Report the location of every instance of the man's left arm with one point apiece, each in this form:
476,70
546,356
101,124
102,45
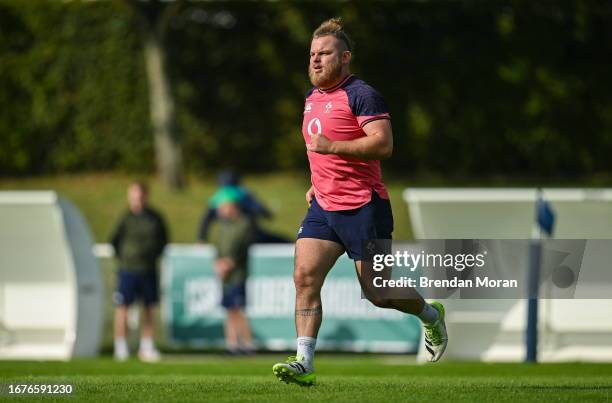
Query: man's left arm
162,235
376,145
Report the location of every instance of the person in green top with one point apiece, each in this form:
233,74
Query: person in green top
235,233
139,240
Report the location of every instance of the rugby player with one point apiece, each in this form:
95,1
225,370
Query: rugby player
347,130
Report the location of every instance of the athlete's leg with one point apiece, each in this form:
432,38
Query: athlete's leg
148,322
123,298
231,330
412,303
120,341
149,289
431,314
121,321
314,258
147,350
244,332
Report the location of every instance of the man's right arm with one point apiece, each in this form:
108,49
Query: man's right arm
205,222
117,236
372,115
253,207
377,144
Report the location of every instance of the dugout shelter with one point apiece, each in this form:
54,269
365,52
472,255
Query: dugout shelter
51,291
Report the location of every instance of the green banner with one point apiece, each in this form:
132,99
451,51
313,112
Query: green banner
191,296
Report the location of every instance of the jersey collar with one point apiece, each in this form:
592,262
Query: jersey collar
335,87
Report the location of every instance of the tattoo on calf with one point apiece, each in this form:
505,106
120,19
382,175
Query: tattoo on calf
316,311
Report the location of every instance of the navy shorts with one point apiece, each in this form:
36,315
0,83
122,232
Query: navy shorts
234,296
350,228
137,285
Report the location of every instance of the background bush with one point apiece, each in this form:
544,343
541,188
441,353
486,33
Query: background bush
510,88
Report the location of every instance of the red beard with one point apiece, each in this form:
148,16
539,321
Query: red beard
327,77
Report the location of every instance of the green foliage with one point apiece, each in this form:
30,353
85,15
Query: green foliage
73,88
508,87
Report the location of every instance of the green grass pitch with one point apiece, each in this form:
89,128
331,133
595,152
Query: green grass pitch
352,378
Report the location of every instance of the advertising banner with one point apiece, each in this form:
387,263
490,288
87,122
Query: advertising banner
191,296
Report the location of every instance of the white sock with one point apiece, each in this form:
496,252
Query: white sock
146,344
121,346
249,347
306,349
429,314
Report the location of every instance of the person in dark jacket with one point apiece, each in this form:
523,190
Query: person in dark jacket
139,240
249,206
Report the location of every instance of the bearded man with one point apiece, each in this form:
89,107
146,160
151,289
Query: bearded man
347,130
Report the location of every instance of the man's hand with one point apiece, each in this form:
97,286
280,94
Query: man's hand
377,144
309,196
320,144
224,266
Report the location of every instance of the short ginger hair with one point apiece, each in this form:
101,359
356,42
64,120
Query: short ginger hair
334,27
140,184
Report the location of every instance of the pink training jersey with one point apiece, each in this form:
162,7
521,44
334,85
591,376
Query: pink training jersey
339,113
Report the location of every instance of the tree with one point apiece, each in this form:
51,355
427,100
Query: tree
153,19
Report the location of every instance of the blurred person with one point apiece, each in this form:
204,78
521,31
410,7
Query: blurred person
139,240
347,130
234,236
249,205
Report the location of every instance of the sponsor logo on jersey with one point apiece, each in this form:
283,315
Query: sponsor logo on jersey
317,126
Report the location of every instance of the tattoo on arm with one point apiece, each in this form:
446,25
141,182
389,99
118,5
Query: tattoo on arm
316,311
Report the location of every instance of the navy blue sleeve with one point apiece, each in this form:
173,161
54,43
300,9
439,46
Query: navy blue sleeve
310,91
205,222
252,207
366,103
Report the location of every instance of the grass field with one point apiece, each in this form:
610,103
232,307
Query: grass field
342,378
101,198
350,378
